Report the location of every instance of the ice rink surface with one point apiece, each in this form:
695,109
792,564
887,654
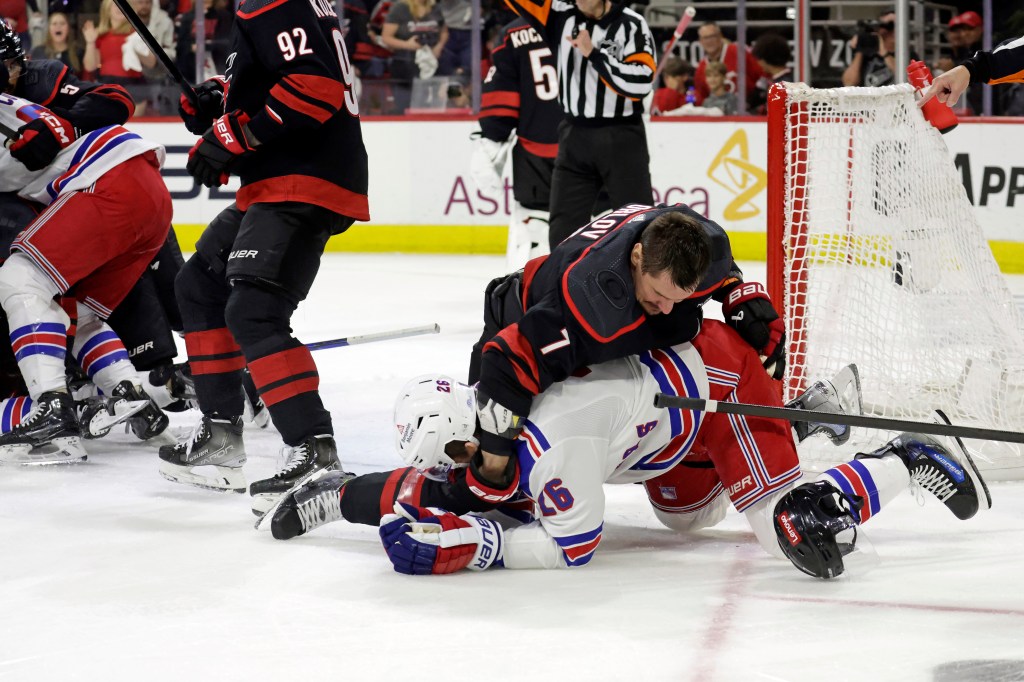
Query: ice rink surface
108,572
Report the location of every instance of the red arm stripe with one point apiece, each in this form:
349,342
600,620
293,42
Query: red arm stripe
520,355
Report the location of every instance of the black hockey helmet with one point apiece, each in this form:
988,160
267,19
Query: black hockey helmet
10,48
816,527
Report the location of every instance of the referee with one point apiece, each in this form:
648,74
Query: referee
605,68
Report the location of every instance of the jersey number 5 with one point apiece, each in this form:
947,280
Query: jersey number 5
545,78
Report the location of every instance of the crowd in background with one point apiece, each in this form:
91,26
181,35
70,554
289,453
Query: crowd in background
416,55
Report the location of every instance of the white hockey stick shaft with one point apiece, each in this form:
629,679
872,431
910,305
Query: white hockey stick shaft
374,337
684,22
796,415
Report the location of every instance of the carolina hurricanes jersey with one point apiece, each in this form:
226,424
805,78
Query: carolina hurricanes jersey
521,92
289,70
87,105
75,167
580,308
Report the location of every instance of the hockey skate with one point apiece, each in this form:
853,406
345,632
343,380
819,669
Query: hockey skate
210,457
97,415
171,387
254,409
316,453
941,466
308,506
148,422
839,396
49,434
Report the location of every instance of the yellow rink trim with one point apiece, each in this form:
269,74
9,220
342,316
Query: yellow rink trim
490,239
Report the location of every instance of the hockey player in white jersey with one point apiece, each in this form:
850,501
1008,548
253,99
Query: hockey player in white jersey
601,427
108,212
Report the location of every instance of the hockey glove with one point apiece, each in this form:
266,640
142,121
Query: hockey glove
421,541
40,140
749,311
488,163
210,95
209,161
499,426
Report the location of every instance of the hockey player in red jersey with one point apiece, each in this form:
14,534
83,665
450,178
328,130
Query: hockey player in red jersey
520,97
284,119
631,281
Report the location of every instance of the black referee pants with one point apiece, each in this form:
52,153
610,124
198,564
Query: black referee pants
613,157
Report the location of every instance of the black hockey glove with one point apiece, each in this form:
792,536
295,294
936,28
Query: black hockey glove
210,160
210,94
40,140
749,311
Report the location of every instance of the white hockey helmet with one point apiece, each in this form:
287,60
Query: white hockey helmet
431,411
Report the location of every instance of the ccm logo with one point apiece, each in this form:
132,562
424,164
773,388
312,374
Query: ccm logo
745,291
787,528
57,127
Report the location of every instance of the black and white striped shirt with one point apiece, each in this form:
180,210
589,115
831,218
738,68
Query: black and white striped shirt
611,83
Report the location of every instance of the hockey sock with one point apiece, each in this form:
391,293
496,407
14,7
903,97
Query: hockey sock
100,352
38,324
13,411
877,480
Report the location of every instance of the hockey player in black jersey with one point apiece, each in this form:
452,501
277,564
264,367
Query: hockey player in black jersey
520,95
631,281
284,119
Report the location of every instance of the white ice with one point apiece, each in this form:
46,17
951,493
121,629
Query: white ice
108,572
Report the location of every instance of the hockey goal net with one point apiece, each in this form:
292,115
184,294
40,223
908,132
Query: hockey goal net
875,257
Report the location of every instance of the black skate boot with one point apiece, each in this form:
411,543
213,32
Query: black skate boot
839,396
49,434
316,453
210,457
98,414
147,422
942,467
309,506
171,387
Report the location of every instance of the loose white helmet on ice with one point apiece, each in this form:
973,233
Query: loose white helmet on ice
431,411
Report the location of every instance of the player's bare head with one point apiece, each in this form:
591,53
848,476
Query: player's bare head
12,57
772,49
677,244
435,422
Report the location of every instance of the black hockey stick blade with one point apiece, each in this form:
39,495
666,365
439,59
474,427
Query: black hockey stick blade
172,69
376,336
795,415
8,133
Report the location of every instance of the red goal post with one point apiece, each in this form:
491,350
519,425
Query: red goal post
875,257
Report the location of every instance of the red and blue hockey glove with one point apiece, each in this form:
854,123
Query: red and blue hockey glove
749,311
41,139
210,160
209,104
421,541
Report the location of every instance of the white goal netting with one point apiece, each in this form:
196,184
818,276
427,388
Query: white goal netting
885,265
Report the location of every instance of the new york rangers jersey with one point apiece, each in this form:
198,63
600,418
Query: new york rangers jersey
76,167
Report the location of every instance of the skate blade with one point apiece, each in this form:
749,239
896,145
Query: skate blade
281,499
102,422
227,479
984,501
67,450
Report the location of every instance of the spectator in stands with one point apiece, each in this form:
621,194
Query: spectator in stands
61,43
874,56
717,49
719,96
218,16
965,34
161,26
677,76
457,56
107,58
773,56
415,32
16,14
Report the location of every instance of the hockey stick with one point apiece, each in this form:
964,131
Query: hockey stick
376,336
684,23
795,415
11,135
172,69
